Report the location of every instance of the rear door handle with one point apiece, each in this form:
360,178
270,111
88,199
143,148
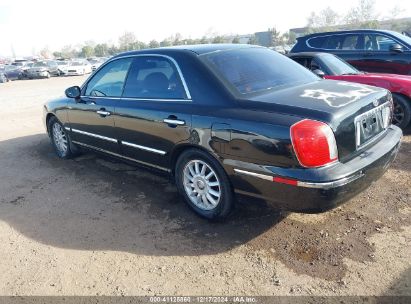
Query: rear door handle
103,112
174,122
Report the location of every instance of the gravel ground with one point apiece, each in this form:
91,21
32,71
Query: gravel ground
95,226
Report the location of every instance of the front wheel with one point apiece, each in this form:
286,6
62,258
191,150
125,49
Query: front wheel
402,111
204,184
60,139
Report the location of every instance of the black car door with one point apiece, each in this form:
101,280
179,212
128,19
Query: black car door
154,112
91,117
380,58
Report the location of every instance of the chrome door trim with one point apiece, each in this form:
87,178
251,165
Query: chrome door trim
94,135
121,156
143,148
104,113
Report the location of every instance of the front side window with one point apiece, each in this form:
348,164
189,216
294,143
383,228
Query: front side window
375,42
153,77
109,81
255,70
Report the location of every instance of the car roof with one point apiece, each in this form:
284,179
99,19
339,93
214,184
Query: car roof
349,32
198,49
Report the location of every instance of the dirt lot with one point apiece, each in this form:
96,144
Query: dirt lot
94,226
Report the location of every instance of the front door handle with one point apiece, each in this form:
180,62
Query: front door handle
174,122
103,112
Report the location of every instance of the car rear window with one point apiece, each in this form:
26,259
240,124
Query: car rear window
253,70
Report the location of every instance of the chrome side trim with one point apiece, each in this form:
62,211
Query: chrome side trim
183,81
262,176
324,185
143,148
94,135
121,156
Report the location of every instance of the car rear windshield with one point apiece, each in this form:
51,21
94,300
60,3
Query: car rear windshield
255,70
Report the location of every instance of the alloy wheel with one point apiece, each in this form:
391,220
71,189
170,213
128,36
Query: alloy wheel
202,185
60,138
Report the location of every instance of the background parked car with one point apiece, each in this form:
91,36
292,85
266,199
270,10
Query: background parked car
77,67
95,63
62,64
43,69
331,67
368,50
2,78
12,72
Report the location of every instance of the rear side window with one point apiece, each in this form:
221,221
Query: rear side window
153,77
109,81
351,42
333,42
316,42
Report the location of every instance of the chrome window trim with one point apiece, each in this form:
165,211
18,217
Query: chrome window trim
143,148
95,135
315,185
180,73
134,98
121,156
351,33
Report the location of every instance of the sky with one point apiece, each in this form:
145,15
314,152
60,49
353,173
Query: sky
29,26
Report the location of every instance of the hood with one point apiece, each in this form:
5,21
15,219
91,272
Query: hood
33,69
391,77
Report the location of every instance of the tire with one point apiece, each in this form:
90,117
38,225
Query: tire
402,111
60,139
48,75
199,189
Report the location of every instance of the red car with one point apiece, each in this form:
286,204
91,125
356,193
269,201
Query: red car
332,67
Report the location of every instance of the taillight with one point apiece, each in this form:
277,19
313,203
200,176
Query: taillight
314,143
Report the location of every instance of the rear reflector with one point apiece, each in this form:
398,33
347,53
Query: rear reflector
287,181
314,143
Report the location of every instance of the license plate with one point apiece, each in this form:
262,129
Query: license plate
372,123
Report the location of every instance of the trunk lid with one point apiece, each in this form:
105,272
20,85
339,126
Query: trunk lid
340,104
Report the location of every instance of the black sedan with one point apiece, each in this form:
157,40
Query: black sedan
231,119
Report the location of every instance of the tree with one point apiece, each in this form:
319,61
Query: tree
101,50
45,53
324,21
204,40
153,44
165,42
87,51
57,54
68,52
275,37
177,39
127,41
236,40
218,39
363,15
252,40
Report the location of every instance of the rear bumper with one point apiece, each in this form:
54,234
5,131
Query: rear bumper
319,189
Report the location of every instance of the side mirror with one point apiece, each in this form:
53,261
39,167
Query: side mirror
396,48
73,92
319,73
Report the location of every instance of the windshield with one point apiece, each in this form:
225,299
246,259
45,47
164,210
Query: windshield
39,64
252,70
93,61
338,66
61,62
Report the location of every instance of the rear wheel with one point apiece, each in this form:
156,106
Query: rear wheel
204,184
47,75
402,111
